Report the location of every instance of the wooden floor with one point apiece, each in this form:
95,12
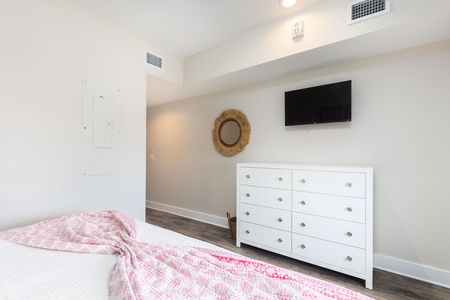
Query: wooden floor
386,285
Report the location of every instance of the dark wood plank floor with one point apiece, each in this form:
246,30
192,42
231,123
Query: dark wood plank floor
386,285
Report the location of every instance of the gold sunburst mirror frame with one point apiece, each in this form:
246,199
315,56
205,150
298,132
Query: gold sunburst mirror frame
231,132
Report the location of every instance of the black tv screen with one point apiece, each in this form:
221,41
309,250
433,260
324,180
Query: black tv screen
327,103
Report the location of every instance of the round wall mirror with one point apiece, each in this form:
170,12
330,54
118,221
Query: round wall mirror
231,132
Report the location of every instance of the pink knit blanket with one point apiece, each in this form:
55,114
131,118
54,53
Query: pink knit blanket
146,271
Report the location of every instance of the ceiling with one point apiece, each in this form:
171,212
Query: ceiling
185,27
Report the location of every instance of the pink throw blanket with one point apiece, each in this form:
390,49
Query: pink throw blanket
146,271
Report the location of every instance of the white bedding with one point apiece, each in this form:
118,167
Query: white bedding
170,266
31,273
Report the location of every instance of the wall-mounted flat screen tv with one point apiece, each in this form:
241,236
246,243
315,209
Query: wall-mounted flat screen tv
327,103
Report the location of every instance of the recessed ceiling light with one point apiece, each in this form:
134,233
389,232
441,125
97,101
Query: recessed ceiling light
287,3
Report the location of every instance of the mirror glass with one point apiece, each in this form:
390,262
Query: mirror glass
230,132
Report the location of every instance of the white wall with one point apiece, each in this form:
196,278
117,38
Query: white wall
401,118
47,49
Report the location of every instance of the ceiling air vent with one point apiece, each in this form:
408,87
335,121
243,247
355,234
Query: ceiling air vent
154,60
366,9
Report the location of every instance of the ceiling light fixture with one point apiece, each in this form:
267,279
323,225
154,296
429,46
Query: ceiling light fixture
287,3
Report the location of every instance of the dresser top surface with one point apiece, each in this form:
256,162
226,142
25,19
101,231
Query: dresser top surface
308,167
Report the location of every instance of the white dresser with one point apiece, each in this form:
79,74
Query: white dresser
322,215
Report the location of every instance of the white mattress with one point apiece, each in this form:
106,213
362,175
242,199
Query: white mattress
31,273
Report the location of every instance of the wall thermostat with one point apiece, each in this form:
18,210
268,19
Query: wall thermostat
298,29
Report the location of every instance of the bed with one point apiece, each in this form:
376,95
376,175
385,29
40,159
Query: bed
108,255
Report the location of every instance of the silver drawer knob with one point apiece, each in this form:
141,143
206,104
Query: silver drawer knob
247,195
302,246
303,203
349,184
280,220
303,181
247,176
280,199
280,240
349,234
280,178
349,209
349,258
303,224
247,231
247,213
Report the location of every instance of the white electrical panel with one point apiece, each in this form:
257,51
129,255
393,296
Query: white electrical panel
101,130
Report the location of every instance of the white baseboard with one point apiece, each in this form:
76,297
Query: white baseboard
382,262
194,215
412,270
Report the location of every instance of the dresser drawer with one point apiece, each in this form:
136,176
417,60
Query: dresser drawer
338,207
333,183
269,237
274,218
330,253
343,232
275,198
272,178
